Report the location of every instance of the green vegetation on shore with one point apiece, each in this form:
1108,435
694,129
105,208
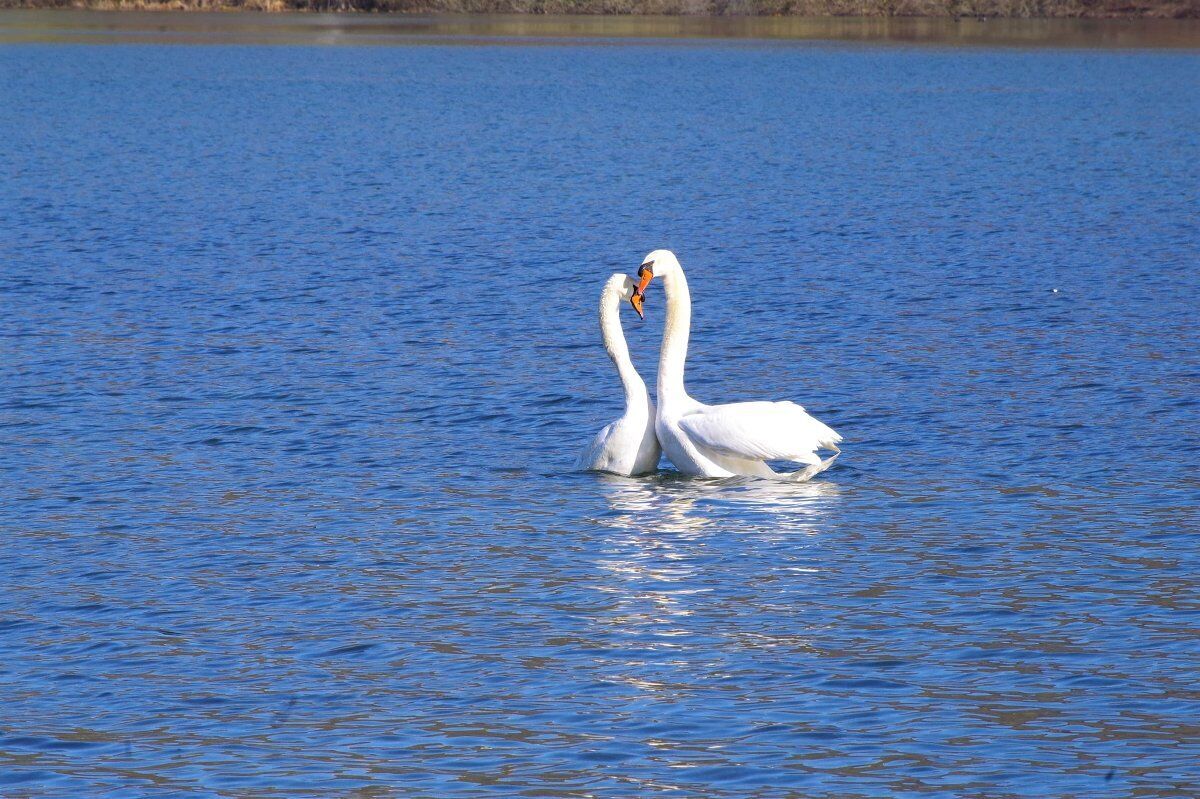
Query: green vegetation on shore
1096,9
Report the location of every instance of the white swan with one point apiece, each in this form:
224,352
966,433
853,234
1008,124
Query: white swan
723,440
628,446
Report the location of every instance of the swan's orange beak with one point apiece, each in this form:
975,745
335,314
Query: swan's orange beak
645,275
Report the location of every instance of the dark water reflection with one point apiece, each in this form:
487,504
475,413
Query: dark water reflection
402,29
298,347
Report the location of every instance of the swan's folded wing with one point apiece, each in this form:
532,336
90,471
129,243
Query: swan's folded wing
592,456
769,431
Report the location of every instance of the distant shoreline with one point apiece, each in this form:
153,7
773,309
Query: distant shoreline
980,9
311,26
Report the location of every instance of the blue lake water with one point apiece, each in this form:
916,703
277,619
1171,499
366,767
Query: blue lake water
297,346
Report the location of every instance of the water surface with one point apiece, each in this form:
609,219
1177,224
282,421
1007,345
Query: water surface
298,345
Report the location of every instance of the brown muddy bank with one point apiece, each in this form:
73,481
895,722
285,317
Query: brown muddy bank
1018,9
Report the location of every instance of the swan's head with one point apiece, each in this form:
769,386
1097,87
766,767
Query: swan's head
622,288
657,264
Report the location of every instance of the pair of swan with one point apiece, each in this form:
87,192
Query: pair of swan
701,440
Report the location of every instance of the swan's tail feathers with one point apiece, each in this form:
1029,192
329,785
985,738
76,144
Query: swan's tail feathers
828,437
825,464
811,471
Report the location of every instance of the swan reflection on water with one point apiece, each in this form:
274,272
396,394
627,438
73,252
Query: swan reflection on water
663,561
674,504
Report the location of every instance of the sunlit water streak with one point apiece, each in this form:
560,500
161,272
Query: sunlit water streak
298,347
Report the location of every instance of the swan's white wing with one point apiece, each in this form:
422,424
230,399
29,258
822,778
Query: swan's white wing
594,456
768,431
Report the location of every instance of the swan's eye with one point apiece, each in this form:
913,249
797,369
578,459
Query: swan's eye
646,267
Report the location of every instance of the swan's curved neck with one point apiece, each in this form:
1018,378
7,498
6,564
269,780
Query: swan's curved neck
636,395
675,337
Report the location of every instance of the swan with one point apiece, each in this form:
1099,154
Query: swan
628,446
723,440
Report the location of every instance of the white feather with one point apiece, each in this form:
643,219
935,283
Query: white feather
765,431
725,440
627,446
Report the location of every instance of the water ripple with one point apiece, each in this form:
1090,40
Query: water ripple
298,348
